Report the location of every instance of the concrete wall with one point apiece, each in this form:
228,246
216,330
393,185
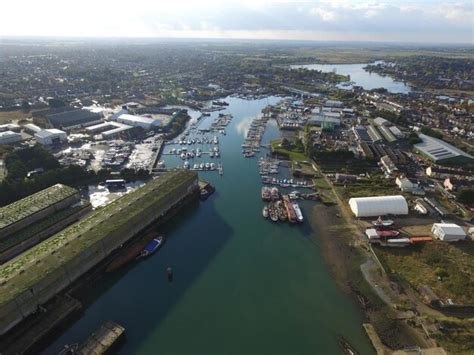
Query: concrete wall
25,222
58,279
39,237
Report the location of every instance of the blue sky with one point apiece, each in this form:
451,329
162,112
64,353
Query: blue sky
346,20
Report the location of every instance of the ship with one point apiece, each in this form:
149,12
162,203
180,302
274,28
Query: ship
266,194
265,212
152,247
289,209
130,253
272,211
299,214
381,223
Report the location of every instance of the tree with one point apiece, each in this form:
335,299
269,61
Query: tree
466,196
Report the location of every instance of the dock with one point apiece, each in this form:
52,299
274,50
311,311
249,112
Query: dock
103,340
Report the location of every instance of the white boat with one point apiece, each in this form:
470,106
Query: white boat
299,215
183,155
208,166
201,166
196,166
211,154
213,166
186,164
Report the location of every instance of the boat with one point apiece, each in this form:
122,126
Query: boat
208,166
186,164
130,253
265,212
289,209
299,214
169,273
266,194
152,247
382,223
387,233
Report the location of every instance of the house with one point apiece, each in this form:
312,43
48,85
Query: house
448,232
388,165
407,185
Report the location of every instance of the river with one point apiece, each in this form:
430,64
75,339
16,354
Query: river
242,285
361,77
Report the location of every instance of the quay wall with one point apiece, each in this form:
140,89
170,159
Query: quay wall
140,212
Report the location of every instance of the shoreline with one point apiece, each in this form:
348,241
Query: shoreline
344,258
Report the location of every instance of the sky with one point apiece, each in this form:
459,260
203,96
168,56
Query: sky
331,20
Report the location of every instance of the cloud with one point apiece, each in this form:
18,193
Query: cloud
397,20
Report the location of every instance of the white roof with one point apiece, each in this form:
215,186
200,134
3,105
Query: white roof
142,119
437,149
9,134
378,206
450,228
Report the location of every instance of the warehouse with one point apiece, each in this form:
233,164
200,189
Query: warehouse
50,136
9,137
76,118
139,121
37,275
441,152
448,232
378,206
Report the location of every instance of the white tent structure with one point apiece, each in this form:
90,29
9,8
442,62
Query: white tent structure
448,232
378,206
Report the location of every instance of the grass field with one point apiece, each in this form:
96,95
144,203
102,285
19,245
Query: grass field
9,116
447,268
291,153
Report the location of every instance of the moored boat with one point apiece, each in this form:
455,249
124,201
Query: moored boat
152,246
299,214
382,223
265,212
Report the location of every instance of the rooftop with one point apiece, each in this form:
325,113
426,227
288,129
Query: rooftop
438,149
38,262
32,204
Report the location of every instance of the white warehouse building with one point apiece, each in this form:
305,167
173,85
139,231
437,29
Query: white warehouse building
9,137
139,121
448,232
378,206
50,136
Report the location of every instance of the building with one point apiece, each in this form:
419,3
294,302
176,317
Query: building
109,129
374,134
50,136
326,122
387,134
396,132
10,127
380,121
36,276
76,118
139,121
361,134
33,208
448,232
32,128
407,185
9,137
441,152
378,206
388,165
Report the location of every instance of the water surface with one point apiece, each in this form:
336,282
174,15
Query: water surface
361,77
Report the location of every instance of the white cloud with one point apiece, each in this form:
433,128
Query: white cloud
417,20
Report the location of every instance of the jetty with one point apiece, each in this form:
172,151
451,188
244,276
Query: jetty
103,340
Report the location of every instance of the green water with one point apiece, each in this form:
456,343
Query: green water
242,285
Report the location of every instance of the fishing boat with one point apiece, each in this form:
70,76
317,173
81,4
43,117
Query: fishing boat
265,212
152,247
387,233
382,223
299,214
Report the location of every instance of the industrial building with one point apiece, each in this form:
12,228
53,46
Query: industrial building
75,118
50,136
37,275
139,121
374,134
109,129
9,137
326,122
448,232
441,152
32,219
378,206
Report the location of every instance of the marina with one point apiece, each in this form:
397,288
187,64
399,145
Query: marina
224,258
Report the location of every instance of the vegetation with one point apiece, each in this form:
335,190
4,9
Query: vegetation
431,132
466,196
294,150
413,138
447,268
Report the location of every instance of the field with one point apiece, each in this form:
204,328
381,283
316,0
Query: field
447,268
9,116
375,186
290,151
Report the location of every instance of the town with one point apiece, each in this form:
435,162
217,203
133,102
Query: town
101,146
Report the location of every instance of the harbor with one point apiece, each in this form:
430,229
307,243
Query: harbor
226,259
